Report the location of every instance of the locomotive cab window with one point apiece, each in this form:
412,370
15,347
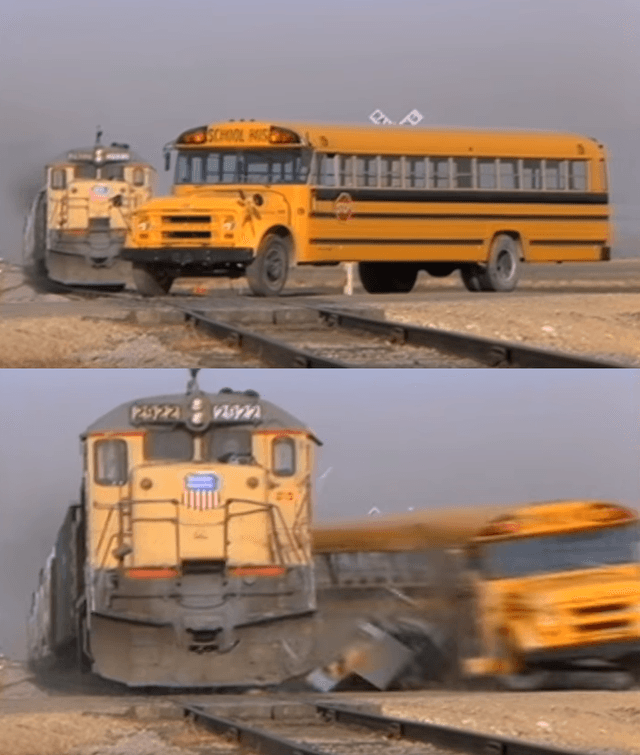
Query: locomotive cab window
59,178
232,445
111,462
169,445
284,457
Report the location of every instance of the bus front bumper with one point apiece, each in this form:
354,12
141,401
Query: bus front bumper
180,257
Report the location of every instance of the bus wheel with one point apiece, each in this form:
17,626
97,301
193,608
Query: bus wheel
268,272
472,277
387,277
503,267
151,281
526,681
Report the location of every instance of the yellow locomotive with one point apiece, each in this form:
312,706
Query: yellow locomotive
187,561
77,223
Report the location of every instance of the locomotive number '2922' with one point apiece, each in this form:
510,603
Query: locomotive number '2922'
155,412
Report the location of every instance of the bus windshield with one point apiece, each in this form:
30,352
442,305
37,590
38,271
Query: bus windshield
268,166
552,553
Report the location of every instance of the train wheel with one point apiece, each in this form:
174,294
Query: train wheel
268,272
151,281
387,277
472,277
502,271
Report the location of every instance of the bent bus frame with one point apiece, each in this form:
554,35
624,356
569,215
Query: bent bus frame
254,198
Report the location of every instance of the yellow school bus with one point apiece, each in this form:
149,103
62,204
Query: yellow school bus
255,198
545,587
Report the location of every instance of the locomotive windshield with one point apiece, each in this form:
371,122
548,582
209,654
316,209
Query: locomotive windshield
223,444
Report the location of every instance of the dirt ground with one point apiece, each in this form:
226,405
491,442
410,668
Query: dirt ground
602,325
567,314
86,342
585,720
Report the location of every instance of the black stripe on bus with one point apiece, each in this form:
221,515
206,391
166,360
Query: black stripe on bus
455,195
399,242
564,242
457,216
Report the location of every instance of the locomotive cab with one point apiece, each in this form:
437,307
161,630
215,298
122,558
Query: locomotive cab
198,511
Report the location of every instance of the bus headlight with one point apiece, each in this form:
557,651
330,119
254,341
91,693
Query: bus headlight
229,223
143,223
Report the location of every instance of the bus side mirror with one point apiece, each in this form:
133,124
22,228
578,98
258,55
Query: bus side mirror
167,160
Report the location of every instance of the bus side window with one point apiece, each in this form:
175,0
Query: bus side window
463,173
487,174
390,174
110,462
554,175
439,173
345,170
367,171
509,178
328,170
578,175
284,457
138,177
531,174
59,178
416,177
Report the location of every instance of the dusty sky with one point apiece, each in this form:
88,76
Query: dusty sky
147,69
393,439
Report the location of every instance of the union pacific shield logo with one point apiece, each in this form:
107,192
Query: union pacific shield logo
201,490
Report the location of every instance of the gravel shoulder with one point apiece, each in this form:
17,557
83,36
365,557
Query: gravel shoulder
590,721
601,325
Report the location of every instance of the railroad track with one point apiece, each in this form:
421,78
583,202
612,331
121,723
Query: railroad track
340,338
327,336
329,729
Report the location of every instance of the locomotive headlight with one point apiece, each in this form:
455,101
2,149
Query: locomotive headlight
229,223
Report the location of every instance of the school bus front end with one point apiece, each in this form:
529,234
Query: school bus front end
234,210
557,586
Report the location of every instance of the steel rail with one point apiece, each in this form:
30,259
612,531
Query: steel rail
246,736
494,353
274,352
438,735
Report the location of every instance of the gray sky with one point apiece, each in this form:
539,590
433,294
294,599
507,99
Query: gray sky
147,69
393,439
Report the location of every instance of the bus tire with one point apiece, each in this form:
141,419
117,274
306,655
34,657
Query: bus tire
387,277
267,273
151,281
502,270
472,277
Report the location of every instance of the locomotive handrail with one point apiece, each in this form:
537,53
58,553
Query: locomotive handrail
269,507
